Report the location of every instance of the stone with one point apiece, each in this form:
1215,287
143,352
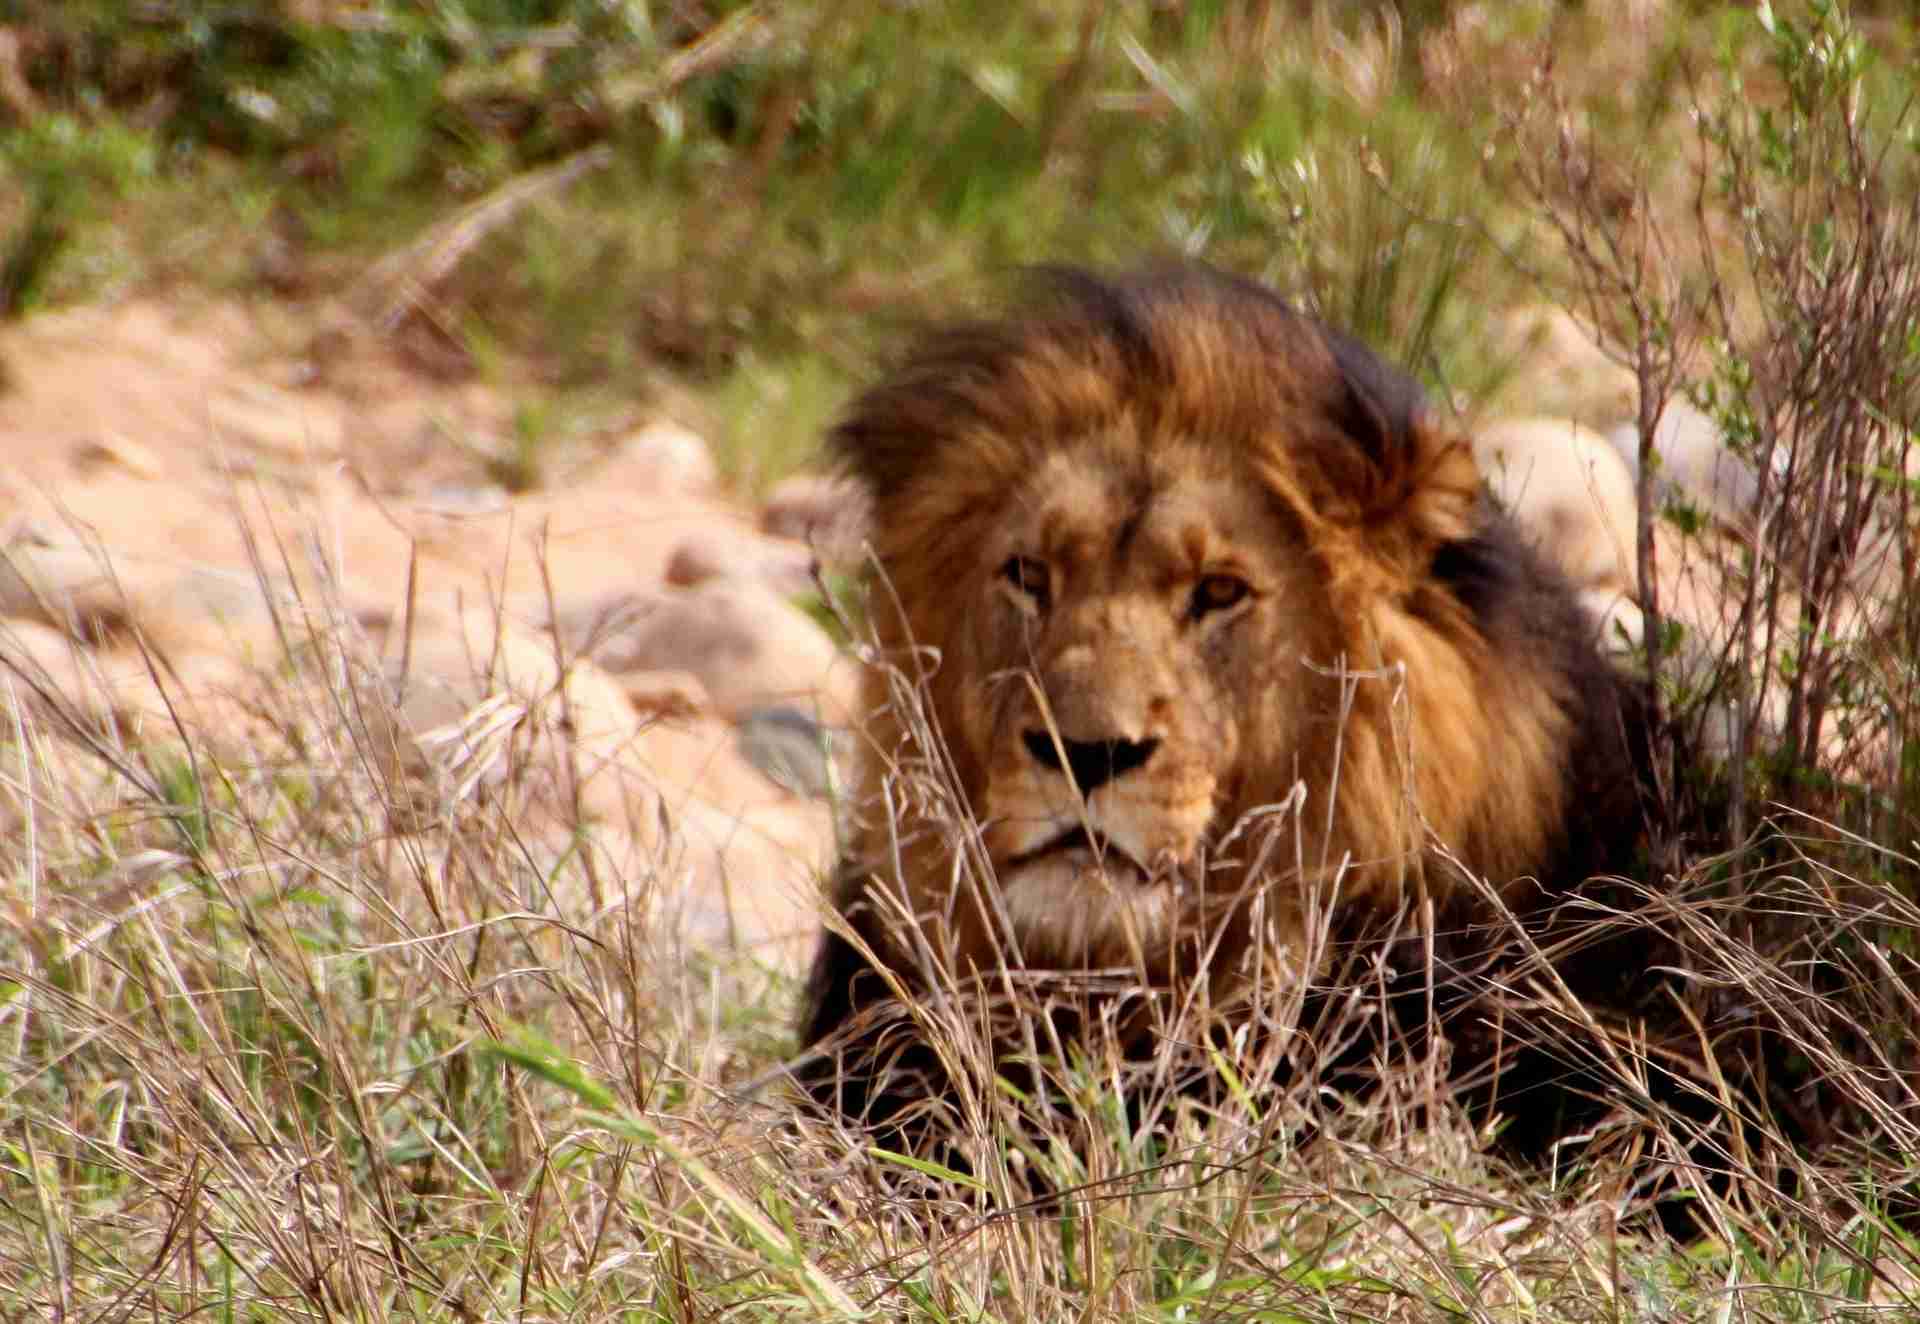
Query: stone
104,601
210,697
110,449
478,702
1695,465
1556,367
791,748
1570,493
666,694
783,567
188,544
65,587
665,458
828,513
748,646
281,424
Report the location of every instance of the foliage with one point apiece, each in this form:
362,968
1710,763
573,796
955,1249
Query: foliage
1784,300
849,166
64,170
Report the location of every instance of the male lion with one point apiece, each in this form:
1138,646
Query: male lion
1220,629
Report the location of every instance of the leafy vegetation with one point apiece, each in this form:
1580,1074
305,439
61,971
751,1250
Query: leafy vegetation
782,185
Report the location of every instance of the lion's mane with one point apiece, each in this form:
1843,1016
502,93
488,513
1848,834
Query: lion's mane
1381,639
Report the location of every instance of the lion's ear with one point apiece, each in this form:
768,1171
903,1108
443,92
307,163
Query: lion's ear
1424,484
1439,493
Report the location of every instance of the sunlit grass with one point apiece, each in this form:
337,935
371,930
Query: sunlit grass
269,1051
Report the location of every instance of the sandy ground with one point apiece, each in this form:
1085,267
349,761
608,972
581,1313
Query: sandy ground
164,461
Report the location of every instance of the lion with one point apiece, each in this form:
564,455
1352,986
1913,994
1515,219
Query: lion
1181,573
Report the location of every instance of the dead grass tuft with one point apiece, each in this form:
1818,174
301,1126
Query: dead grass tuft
290,1033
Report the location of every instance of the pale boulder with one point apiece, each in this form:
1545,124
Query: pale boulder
1571,495
747,645
1556,367
477,703
784,567
666,694
828,513
207,697
750,884
664,458
712,850
1695,466
254,418
117,600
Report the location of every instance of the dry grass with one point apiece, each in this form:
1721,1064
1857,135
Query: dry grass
288,1035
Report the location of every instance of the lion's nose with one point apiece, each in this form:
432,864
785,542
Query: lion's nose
1094,762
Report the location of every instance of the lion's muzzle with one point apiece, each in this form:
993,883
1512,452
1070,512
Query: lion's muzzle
1092,763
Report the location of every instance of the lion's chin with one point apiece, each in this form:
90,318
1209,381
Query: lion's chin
1077,905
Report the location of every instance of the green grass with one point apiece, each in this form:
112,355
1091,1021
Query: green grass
784,186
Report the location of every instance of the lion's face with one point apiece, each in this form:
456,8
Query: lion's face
1157,556
1139,627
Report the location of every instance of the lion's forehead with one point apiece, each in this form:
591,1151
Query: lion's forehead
1160,516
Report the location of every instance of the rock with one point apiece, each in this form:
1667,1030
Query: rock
1570,493
171,438
463,499
481,704
212,609
64,587
1695,464
102,602
783,567
664,458
599,628
748,883
666,695
209,697
110,449
1556,366
826,512
748,646
791,748
281,424
704,848
42,665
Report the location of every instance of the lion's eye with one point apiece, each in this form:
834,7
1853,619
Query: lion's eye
1217,593
1029,575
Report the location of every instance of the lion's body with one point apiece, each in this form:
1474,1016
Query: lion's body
1159,553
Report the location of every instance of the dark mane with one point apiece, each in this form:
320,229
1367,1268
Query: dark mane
1528,774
